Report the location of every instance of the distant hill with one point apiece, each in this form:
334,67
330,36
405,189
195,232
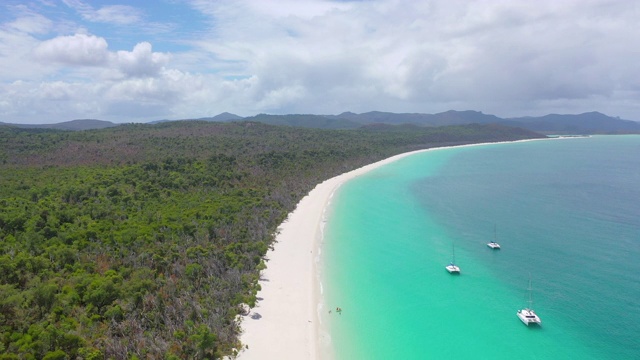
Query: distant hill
451,117
587,123
378,117
349,120
225,116
75,125
306,121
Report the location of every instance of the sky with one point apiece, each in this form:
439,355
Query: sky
139,61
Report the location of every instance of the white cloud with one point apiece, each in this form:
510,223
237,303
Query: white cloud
114,14
17,39
139,62
56,91
30,24
78,49
118,14
92,51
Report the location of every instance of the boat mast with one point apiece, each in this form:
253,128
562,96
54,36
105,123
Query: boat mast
530,294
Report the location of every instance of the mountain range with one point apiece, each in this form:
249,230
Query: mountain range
586,123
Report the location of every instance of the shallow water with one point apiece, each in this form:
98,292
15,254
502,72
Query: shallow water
566,213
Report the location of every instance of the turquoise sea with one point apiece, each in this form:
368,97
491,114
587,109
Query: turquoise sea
567,215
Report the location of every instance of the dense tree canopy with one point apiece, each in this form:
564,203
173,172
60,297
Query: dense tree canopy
145,240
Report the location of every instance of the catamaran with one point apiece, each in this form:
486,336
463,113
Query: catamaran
527,315
452,268
493,244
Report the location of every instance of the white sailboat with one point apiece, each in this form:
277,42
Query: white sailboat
527,315
452,268
493,244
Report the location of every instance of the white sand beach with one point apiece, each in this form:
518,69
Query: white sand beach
285,322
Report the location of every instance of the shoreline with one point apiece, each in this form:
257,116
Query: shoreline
286,321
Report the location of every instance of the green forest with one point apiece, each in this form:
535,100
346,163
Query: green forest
144,241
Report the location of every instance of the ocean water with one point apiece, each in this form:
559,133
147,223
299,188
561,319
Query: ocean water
567,215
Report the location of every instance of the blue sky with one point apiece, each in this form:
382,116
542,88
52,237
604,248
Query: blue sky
136,61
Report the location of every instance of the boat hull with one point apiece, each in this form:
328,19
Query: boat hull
528,317
453,269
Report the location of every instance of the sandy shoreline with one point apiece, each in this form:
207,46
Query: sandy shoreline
285,324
